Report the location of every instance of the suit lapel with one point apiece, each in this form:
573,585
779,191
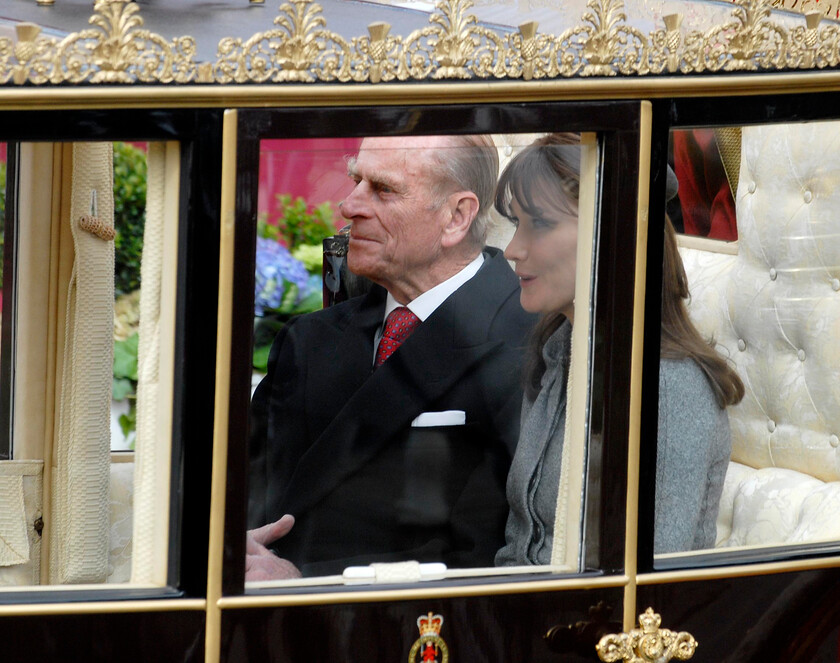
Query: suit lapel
342,365
438,354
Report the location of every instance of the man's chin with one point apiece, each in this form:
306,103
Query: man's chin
363,269
360,264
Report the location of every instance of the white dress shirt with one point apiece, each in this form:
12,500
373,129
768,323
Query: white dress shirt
424,305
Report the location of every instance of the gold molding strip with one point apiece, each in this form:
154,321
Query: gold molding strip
449,591
401,94
721,572
301,49
215,556
102,607
636,352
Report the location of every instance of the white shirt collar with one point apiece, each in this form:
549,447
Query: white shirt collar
424,305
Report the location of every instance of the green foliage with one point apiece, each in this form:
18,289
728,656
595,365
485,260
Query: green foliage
311,255
295,225
125,358
128,422
124,384
129,215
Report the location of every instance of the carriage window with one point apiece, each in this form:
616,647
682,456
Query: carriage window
707,163
90,355
748,451
398,281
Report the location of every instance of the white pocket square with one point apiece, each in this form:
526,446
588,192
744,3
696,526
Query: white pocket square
446,418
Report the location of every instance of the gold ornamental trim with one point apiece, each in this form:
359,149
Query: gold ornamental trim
300,48
649,644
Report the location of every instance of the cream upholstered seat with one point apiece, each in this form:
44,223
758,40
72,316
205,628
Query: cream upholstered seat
774,310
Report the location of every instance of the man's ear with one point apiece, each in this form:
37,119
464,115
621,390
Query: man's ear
463,208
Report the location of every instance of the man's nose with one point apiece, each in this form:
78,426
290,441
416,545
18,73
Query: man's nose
342,207
353,203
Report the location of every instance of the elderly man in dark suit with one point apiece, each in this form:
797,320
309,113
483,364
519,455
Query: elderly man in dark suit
384,429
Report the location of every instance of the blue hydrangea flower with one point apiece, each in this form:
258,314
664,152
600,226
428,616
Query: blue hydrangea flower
315,283
275,268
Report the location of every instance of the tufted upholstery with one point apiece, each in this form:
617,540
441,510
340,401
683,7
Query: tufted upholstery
774,309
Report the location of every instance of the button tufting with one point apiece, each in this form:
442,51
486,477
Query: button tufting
834,441
773,274
751,187
801,355
771,425
742,345
835,284
808,196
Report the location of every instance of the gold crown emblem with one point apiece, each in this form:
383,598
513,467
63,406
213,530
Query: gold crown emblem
429,624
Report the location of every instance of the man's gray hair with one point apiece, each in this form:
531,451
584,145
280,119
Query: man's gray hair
472,166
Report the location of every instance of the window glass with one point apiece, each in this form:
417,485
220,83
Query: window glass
398,284
748,453
130,182
706,163
92,362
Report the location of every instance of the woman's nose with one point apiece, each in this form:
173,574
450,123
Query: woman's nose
516,250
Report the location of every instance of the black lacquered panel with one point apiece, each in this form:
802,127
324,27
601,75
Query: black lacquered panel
780,617
126,637
497,628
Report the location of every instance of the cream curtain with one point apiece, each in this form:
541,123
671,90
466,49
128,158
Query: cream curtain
80,476
155,361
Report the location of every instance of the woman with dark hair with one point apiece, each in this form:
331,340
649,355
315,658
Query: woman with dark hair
538,193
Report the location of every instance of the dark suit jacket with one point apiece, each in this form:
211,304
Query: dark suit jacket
332,441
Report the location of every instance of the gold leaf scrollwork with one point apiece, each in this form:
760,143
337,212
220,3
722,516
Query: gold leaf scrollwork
531,55
665,46
611,46
750,43
27,59
118,50
454,46
812,48
376,55
828,50
300,50
649,644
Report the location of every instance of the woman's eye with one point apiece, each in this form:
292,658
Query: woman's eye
539,222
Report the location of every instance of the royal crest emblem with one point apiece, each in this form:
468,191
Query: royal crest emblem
429,647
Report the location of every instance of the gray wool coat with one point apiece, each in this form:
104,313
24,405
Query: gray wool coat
692,457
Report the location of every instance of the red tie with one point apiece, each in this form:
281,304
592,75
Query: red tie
398,327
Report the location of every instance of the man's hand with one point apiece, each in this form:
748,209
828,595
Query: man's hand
260,562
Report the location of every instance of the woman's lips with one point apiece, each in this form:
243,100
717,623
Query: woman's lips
525,279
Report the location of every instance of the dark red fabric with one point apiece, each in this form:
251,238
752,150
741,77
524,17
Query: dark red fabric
708,207
398,327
